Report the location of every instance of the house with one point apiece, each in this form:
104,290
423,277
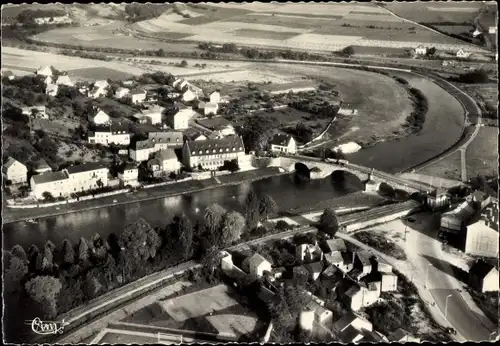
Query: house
401,335
208,108
64,80
347,109
212,153
482,236
87,176
121,92
389,282
15,171
177,82
166,139
314,269
129,175
100,118
342,260
41,166
101,84
179,120
479,199
421,50
438,199
336,245
321,314
258,265
363,262
167,160
48,80
138,96
188,95
483,276
97,92
129,83
462,54
380,265
492,30
141,150
52,89
55,183
214,97
152,115
476,33
37,111
111,134
45,71
227,130
362,295
306,253
350,328
283,143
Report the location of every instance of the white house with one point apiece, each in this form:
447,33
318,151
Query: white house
283,143
180,119
322,315
52,89
165,161
347,109
138,96
483,276
152,115
15,171
258,265
177,82
438,199
492,30
482,236
64,80
214,97
121,92
48,80
188,95
421,50
227,130
111,134
37,111
462,54
100,118
128,175
45,71
212,153
141,150
166,139
97,92
208,108
55,183
102,84
87,176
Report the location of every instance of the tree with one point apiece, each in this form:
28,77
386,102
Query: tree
15,270
83,251
50,245
232,228
184,63
252,210
348,51
44,290
329,222
92,286
213,217
48,196
140,240
18,251
185,230
68,252
267,206
48,259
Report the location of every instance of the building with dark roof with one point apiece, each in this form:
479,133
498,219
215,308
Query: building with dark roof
482,236
211,154
55,183
283,143
112,133
14,171
166,139
483,276
438,199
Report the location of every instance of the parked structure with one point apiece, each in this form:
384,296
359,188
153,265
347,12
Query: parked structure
14,171
283,143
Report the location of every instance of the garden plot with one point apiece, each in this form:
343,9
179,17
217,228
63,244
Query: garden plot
322,42
72,152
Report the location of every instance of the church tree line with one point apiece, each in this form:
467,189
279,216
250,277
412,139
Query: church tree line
45,282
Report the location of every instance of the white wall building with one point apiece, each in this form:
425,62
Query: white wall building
129,175
45,71
64,80
188,95
52,89
87,176
258,265
462,54
97,92
55,183
180,120
284,144
421,50
109,135
214,97
138,96
15,171
100,118
122,92
152,115
37,111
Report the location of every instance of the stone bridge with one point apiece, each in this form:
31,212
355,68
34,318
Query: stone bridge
318,169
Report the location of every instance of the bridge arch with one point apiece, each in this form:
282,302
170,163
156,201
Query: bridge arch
302,169
342,177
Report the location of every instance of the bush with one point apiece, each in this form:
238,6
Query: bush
381,244
472,77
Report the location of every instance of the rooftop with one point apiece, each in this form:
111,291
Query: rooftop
166,137
166,154
9,162
364,257
315,267
490,215
257,259
481,268
281,139
211,146
145,144
345,321
50,177
336,245
86,167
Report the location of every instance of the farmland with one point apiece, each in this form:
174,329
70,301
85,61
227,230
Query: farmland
447,168
482,153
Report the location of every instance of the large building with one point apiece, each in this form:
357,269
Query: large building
112,134
211,154
142,150
15,171
88,176
483,276
482,236
54,183
438,199
455,221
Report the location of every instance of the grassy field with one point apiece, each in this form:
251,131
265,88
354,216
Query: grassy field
448,168
100,73
453,12
482,153
272,35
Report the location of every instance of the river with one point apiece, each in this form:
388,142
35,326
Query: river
284,189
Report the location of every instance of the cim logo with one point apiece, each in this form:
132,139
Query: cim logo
47,327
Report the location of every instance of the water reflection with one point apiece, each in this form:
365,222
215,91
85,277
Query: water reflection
288,192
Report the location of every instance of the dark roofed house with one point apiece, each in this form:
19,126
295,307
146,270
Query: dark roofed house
172,139
314,269
363,261
86,167
49,177
212,153
283,143
336,245
401,335
483,276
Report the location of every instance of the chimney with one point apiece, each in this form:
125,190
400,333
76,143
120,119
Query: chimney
353,257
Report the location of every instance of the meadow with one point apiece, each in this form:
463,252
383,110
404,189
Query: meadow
482,153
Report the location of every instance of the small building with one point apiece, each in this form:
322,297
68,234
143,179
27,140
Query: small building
336,245
179,120
41,166
111,134
381,265
8,74
102,84
138,96
64,80
322,315
52,89
129,82
152,115
492,30
121,92
214,97
258,265
400,336
283,143
188,95
15,171
97,92
306,319
479,199
166,139
389,282
48,80
461,53
55,183
100,118
208,108
227,130
483,277
347,109
45,71
421,50
439,199
87,176
314,269
129,175
342,260
350,327
363,261
167,160
36,111
482,236
141,150
362,295
306,253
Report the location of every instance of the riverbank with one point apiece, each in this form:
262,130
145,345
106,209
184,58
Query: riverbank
11,215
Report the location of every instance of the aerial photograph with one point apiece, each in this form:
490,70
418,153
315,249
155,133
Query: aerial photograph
251,172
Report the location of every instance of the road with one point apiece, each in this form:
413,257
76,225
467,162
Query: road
426,253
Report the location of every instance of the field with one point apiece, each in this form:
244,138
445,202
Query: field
448,168
95,73
482,153
452,12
